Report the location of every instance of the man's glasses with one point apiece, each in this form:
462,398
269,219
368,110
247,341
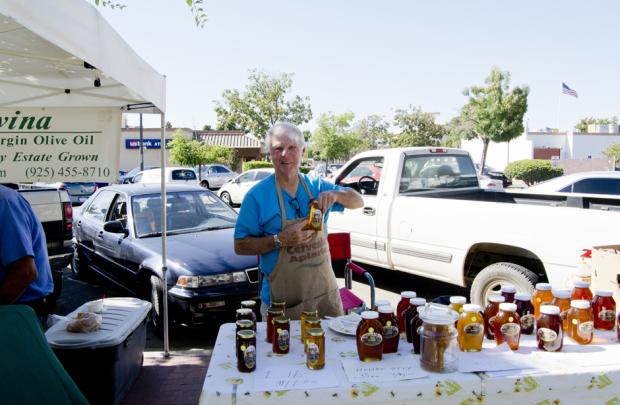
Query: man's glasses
295,204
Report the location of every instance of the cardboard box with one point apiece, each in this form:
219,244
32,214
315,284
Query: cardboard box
606,270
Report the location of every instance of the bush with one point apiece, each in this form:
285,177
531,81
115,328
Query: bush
532,171
256,164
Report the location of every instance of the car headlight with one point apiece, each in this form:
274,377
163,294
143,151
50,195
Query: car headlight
207,281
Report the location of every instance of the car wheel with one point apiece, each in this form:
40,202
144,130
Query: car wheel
226,198
490,279
204,184
157,312
79,267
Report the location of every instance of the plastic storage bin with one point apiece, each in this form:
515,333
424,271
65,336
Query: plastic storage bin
105,363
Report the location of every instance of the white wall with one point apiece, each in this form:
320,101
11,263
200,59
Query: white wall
592,145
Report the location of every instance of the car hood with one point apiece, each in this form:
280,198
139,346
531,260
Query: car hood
199,253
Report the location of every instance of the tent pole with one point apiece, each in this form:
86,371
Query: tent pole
141,145
164,268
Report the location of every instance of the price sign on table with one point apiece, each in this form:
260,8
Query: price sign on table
293,377
389,369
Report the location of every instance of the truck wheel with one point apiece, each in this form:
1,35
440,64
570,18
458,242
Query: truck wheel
489,280
157,312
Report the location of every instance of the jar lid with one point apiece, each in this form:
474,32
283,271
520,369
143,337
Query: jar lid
471,308
314,313
244,311
244,323
507,307
246,334
386,309
543,286
509,288
312,320
248,303
582,284
561,294
580,304
278,304
457,299
273,311
280,319
315,332
380,303
549,310
370,315
438,314
523,296
408,294
417,301
603,293
496,298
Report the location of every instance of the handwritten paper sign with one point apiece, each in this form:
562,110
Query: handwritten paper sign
293,377
388,369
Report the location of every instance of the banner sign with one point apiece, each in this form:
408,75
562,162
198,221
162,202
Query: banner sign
59,144
148,143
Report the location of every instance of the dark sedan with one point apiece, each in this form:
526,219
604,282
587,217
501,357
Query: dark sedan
495,174
118,236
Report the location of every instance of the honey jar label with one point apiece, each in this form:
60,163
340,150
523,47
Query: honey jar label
607,315
527,321
390,331
473,329
316,218
547,335
585,329
313,353
283,339
510,329
249,357
371,338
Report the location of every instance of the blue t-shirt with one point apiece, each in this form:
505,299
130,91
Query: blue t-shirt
260,216
21,235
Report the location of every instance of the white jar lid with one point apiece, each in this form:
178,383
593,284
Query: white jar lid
549,310
603,293
370,315
496,298
507,307
543,286
523,296
386,309
457,299
408,294
580,304
417,301
244,311
509,288
249,303
561,294
381,303
582,284
471,308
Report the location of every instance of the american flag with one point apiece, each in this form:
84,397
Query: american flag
568,90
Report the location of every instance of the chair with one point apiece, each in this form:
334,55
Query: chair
340,249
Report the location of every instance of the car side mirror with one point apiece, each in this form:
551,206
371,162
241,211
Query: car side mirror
115,226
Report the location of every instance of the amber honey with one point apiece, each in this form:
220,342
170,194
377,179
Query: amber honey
246,351
549,333
581,291
391,333
281,339
315,219
457,302
491,309
525,310
470,327
508,291
311,322
580,322
604,310
561,299
271,314
315,355
302,322
369,337
402,306
507,325
542,296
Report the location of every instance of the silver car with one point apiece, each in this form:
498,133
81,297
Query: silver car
214,176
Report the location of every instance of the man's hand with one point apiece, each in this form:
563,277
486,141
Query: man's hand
295,235
326,199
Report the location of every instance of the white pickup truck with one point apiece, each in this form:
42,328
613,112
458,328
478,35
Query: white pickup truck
424,213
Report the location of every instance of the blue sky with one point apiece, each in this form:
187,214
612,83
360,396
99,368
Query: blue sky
372,57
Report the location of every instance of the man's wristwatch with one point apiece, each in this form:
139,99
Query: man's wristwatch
277,241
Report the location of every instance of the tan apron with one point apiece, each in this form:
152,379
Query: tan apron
303,275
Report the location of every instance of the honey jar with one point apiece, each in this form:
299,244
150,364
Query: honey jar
580,322
302,322
438,339
581,291
311,322
271,314
402,306
508,291
281,339
491,309
246,351
507,325
391,334
457,302
549,331
542,295
251,304
413,322
244,324
369,337
525,310
604,310
315,355
380,303
315,219
246,313
561,299
470,328
279,305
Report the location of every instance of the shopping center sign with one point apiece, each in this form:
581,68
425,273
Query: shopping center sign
59,144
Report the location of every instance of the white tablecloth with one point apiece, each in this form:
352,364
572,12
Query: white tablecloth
558,378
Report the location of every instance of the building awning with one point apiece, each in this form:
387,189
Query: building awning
230,139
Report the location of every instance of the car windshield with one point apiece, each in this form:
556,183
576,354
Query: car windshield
187,211
426,172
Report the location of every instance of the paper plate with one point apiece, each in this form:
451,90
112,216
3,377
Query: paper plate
346,324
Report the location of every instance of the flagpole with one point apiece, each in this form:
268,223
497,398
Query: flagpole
558,112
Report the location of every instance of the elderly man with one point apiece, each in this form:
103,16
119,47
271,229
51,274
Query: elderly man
295,261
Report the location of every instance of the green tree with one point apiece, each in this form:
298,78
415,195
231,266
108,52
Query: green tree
373,132
417,128
207,127
168,125
613,152
334,137
186,152
458,129
582,126
495,112
261,104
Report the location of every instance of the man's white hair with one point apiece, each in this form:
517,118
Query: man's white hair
284,128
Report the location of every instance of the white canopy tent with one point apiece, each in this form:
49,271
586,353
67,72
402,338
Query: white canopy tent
64,54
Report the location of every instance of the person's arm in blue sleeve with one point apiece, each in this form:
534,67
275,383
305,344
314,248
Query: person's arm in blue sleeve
331,195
